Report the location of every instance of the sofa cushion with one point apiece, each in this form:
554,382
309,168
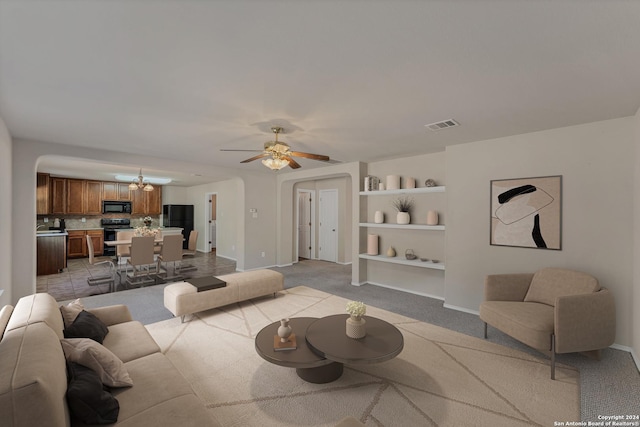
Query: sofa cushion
87,325
550,283
130,341
37,308
5,315
156,381
88,401
33,378
71,311
530,322
103,362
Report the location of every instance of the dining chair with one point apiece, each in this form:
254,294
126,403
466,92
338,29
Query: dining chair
191,247
171,252
141,261
107,279
158,248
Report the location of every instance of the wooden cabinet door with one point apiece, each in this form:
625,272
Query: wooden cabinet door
109,191
138,202
75,196
58,195
76,244
97,237
42,194
154,201
123,192
93,198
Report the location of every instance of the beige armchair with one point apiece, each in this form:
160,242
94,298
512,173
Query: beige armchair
553,310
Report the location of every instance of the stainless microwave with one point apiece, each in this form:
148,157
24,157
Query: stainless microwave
114,206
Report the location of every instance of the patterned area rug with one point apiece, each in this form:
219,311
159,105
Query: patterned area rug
441,378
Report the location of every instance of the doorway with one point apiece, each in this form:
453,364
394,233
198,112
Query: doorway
328,225
305,215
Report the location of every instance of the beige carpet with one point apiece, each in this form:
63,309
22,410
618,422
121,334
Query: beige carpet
441,378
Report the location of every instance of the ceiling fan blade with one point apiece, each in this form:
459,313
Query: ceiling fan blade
231,149
310,156
292,163
259,156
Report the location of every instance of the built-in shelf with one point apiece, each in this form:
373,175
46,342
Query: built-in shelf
439,189
404,261
404,226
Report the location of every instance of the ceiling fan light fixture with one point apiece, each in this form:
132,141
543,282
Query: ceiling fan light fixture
275,164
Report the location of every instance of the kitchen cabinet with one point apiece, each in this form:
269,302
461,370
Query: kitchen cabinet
51,254
77,245
115,191
416,227
42,194
93,198
58,195
147,202
75,196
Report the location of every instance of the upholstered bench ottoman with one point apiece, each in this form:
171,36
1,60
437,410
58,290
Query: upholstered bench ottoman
183,298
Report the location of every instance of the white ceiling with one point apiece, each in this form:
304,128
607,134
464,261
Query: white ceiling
355,80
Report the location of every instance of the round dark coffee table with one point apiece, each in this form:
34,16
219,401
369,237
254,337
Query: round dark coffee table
323,346
327,338
309,366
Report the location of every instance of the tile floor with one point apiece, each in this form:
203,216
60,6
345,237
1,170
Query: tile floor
72,282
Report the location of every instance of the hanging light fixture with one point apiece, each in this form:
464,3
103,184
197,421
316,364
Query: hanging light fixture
139,183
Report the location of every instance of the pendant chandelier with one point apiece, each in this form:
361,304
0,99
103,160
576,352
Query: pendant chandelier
140,184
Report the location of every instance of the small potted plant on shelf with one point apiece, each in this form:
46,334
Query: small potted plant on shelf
403,205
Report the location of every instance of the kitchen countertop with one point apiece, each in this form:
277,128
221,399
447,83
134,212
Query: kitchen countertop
84,229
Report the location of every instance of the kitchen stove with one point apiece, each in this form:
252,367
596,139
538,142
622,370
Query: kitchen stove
111,226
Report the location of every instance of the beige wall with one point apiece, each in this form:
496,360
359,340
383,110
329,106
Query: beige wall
5,215
596,162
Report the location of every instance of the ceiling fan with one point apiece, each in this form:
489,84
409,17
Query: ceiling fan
278,154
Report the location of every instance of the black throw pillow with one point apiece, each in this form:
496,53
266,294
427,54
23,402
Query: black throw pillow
88,401
87,325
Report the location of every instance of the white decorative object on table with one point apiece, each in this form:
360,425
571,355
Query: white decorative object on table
284,330
381,186
378,217
403,205
355,324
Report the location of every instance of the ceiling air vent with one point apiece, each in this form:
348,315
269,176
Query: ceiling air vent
445,124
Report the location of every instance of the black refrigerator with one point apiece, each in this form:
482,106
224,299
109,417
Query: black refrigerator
179,216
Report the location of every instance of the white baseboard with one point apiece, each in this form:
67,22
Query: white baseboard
358,283
285,265
227,257
636,359
256,268
462,309
395,288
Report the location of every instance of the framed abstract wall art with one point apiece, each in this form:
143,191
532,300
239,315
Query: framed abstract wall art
527,212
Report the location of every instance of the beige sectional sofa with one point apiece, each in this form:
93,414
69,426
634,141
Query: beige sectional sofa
182,298
33,377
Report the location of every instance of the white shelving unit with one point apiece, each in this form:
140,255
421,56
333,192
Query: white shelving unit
403,261
439,189
399,259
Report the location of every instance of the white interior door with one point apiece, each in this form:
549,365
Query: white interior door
328,227
304,224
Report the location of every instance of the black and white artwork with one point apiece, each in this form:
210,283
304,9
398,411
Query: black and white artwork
527,212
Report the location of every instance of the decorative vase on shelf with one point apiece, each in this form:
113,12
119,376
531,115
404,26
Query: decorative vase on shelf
284,330
403,218
409,183
381,186
432,218
372,244
393,182
356,327
378,217
391,252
